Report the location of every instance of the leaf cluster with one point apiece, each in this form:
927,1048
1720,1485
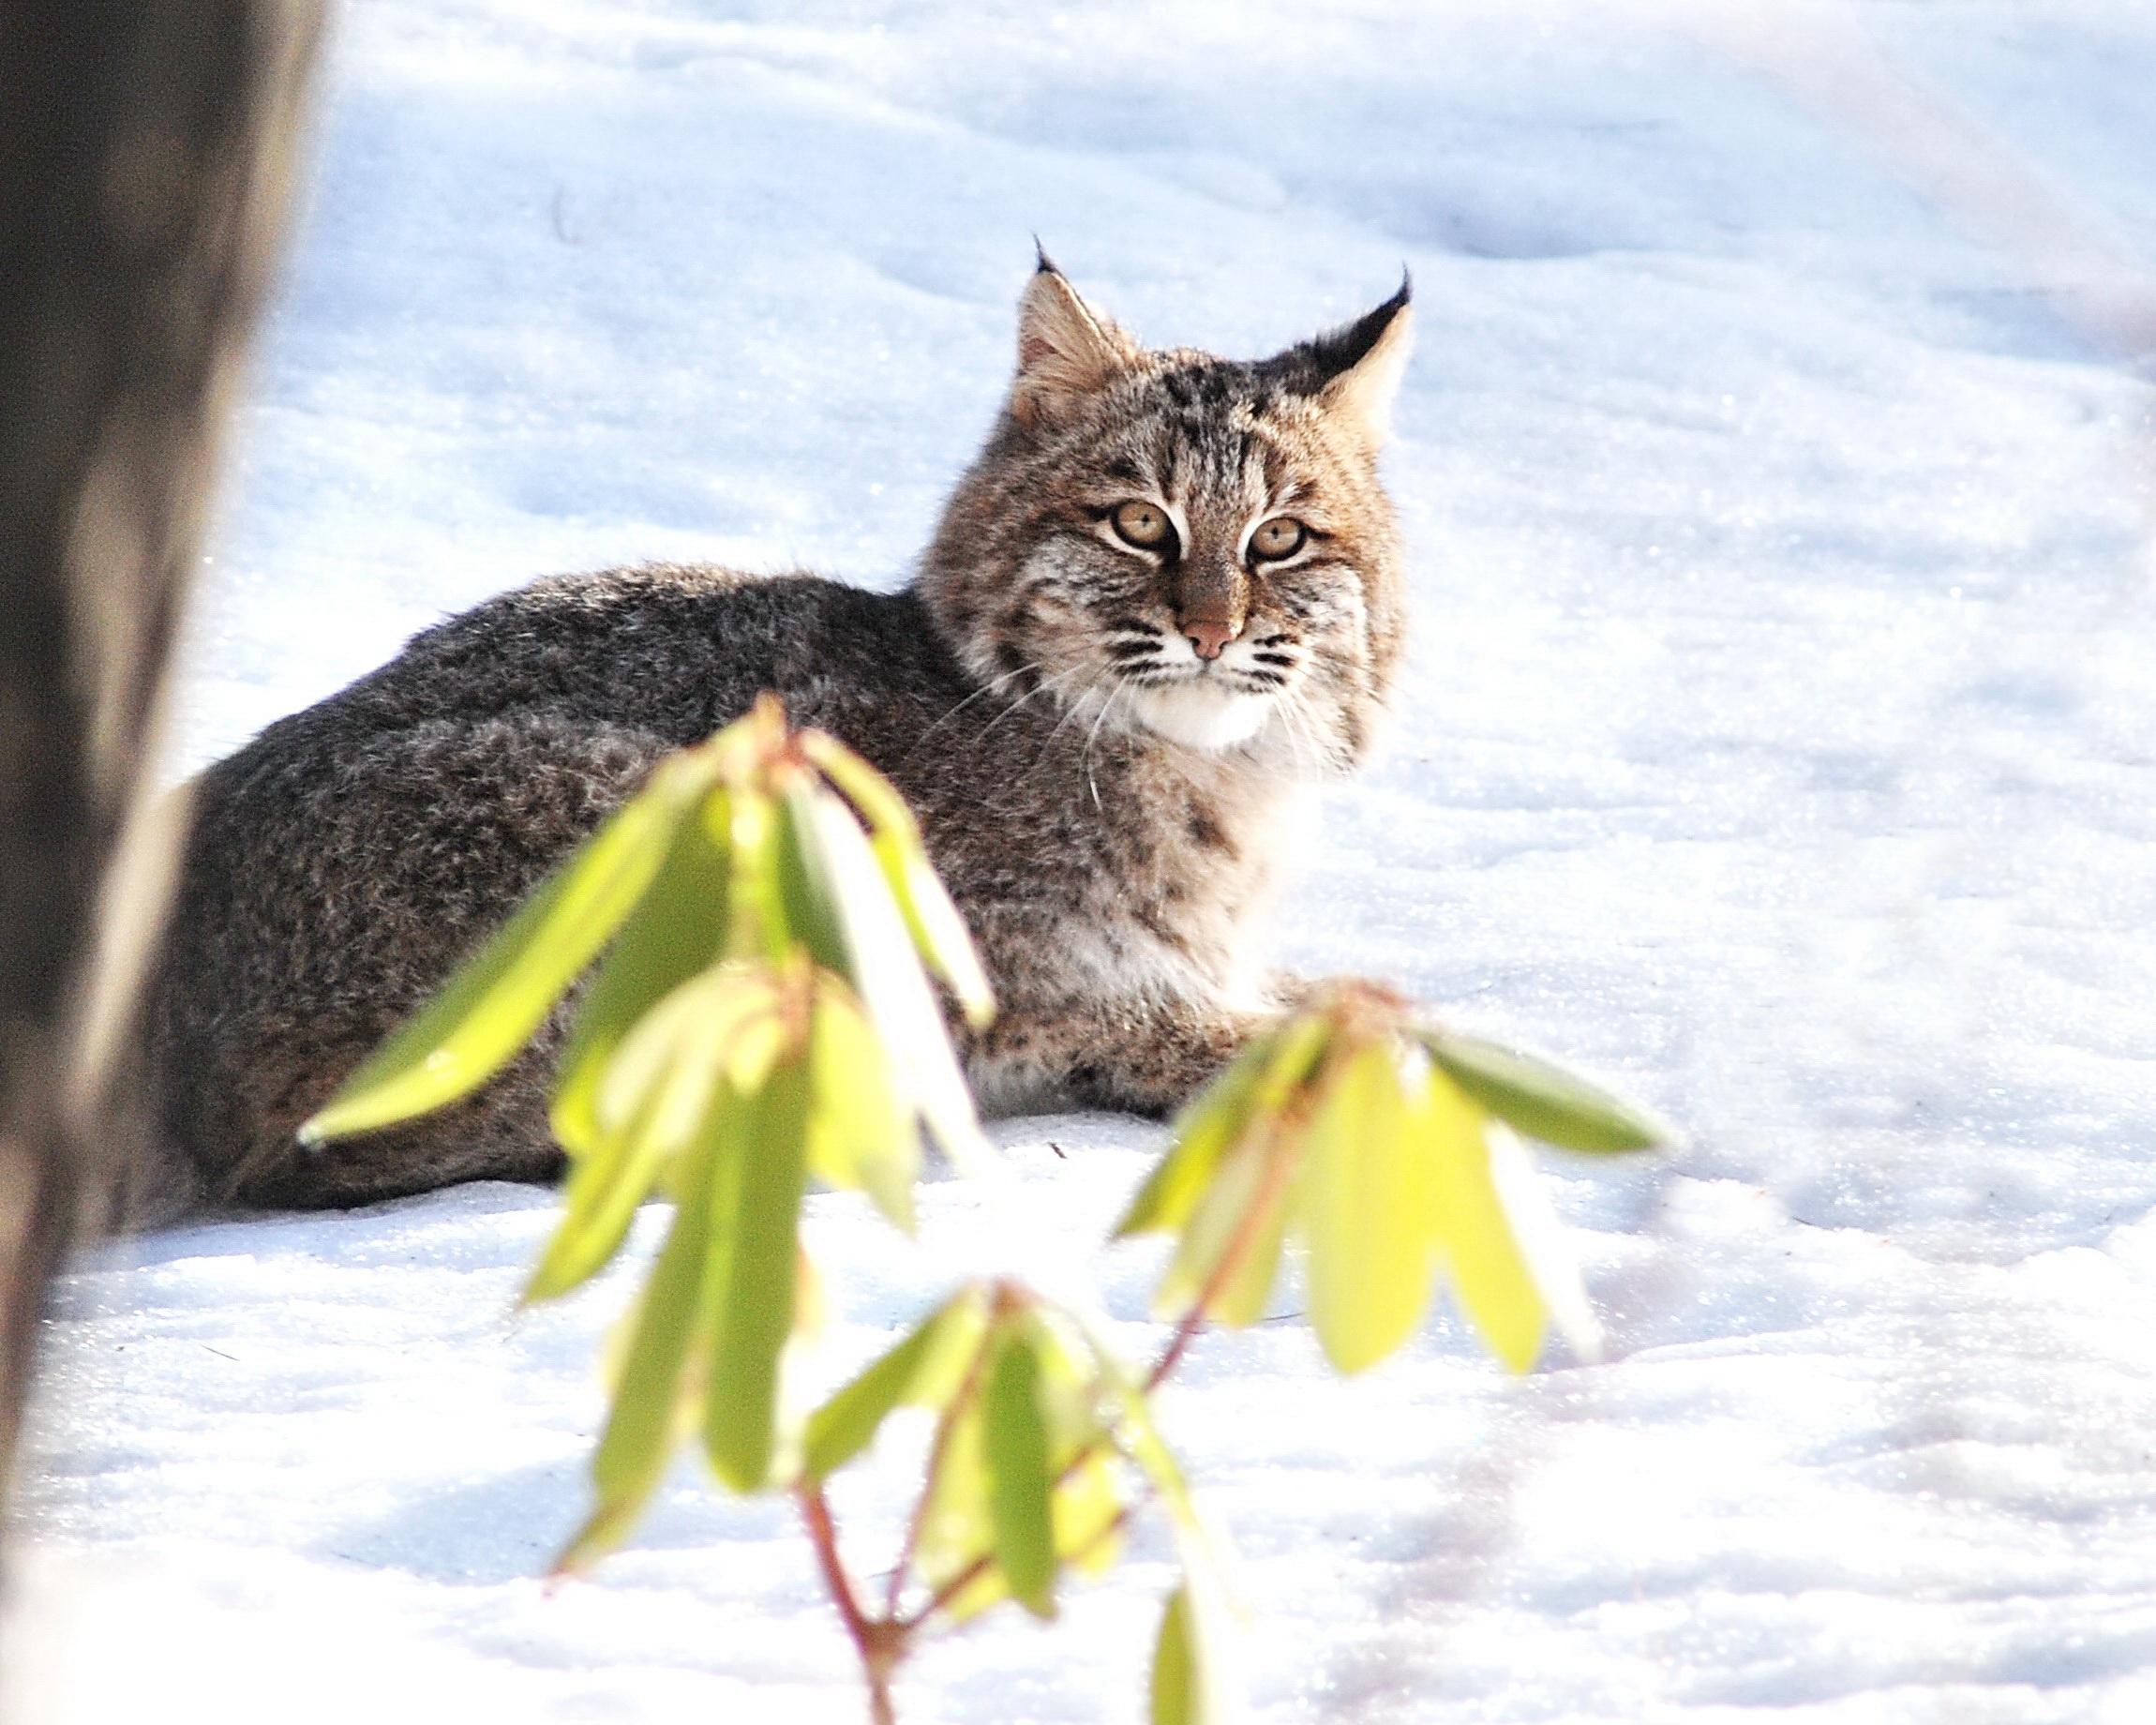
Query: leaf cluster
760,925
760,1016
1387,1147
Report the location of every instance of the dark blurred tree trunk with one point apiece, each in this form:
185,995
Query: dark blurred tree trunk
145,152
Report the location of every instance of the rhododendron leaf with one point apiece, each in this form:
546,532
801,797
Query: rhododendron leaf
647,1108
499,998
939,931
803,888
756,1311
673,934
643,1423
1256,1085
1540,1098
862,1133
889,980
1481,1258
849,1421
1177,1688
1366,1210
1015,1453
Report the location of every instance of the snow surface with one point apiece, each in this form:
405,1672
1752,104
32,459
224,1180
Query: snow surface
1777,743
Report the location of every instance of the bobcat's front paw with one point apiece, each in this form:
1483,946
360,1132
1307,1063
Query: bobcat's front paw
1163,1064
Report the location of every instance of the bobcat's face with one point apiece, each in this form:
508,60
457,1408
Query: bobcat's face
1189,547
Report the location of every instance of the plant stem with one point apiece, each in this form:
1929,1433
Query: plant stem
880,1644
1107,1530
1253,1222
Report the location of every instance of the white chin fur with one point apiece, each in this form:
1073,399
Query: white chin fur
1199,717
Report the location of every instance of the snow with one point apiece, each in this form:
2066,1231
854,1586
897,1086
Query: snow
1778,743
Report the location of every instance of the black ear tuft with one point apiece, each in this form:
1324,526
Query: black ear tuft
1042,264
1066,349
1310,366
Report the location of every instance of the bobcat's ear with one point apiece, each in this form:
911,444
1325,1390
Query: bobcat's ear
1065,348
1355,371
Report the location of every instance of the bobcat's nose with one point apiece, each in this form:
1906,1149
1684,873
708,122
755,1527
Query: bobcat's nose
1208,635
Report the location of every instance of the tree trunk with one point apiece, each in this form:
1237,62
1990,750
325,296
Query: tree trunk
145,152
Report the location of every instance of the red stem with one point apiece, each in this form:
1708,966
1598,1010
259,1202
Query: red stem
880,1644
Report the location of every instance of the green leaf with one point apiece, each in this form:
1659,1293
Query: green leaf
1177,1691
876,799
757,1311
1255,1087
804,890
757,925
1193,1679
863,1134
1367,1210
1542,1243
643,1424
599,1202
939,931
1482,1259
845,1425
950,1363
1247,1295
1245,1199
1086,1506
1074,1399
653,1102
679,1049
1540,1098
1243,1210
1015,1454
677,931
495,1002
957,1529
1213,1122
889,980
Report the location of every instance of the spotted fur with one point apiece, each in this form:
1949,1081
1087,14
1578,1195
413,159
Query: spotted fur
1107,803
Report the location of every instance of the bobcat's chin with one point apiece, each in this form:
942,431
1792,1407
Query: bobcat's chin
1199,717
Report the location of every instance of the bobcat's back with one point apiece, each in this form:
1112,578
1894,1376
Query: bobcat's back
346,858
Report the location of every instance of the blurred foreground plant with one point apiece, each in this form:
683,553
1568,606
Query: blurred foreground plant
761,1017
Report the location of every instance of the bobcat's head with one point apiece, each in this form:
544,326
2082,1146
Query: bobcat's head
1171,543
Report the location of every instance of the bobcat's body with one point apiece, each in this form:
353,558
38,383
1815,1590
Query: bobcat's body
1110,863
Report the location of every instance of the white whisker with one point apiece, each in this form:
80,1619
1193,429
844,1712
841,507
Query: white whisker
1045,685
1068,714
1300,732
1085,758
986,688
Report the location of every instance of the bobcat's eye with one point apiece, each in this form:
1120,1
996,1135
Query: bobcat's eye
1143,525
1282,536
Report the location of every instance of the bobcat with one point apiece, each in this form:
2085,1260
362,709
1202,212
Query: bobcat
1164,600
